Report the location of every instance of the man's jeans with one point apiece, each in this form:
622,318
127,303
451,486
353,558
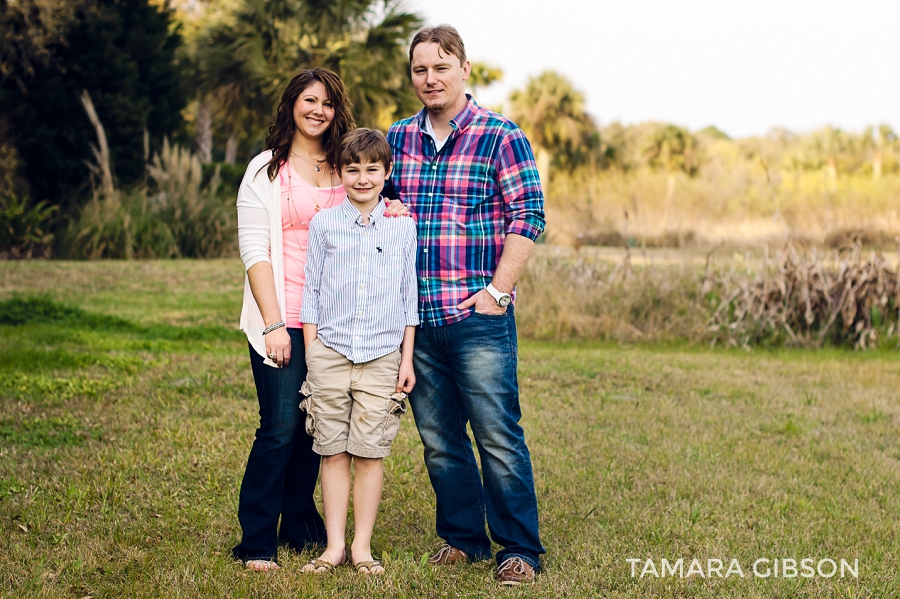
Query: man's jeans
282,468
466,372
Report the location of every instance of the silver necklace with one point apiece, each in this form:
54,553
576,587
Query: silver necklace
315,164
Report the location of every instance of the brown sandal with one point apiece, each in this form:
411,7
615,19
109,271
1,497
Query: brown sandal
373,567
318,566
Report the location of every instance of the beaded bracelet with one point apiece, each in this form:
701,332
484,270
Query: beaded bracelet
272,327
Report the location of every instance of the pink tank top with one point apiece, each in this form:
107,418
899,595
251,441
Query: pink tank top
299,203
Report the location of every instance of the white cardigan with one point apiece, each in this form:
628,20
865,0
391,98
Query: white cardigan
260,240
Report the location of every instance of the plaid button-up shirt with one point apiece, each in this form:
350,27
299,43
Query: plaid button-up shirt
481,186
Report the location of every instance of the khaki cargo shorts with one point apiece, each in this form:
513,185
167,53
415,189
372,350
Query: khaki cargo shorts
349,407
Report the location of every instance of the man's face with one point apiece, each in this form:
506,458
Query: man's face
438,78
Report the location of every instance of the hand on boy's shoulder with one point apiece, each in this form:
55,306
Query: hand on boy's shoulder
404,222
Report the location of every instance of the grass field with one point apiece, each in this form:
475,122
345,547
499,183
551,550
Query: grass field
124,430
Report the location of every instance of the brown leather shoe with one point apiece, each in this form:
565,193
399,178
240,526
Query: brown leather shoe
447,555
515,571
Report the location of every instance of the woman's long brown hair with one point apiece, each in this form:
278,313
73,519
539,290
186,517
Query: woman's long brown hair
281,133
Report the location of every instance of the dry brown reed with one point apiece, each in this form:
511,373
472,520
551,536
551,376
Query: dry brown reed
795,299
807,300
100,151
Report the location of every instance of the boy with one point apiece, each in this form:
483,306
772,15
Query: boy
359,313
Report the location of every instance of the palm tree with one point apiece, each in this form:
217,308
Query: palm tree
241,61
365,42
246,58
483,75
885,140
825,149
673,149
551,113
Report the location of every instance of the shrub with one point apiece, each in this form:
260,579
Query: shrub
175,217
230,176
24,231
202,221
121,225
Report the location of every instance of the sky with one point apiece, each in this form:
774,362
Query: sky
743,66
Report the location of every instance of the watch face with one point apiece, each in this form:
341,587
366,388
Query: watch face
504,300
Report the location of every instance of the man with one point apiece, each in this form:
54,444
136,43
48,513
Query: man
468,176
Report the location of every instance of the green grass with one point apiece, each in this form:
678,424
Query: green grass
128,411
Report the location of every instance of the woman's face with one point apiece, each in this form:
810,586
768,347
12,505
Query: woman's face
313,111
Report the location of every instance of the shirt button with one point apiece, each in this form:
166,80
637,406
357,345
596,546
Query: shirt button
427,222
430,195
433,166
364,260
362,285
425,250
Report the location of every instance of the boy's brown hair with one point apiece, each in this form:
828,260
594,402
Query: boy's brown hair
363,145
445,35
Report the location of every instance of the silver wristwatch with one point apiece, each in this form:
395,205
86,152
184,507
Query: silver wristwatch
503,299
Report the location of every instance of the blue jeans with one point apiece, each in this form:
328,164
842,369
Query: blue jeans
466,372
282,468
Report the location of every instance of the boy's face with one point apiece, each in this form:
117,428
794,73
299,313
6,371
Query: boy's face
364,180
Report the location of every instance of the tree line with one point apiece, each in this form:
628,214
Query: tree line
91,91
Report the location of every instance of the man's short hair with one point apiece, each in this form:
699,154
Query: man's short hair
363,145
445,35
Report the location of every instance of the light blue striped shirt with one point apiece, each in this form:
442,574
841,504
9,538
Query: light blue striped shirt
360,288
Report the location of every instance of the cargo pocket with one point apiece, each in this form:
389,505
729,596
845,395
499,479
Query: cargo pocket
392,420
306,404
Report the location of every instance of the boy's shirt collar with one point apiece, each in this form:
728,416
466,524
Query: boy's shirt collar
355,216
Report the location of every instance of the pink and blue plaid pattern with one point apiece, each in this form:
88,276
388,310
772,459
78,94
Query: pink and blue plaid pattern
481,186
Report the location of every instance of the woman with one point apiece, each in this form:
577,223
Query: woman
282,190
